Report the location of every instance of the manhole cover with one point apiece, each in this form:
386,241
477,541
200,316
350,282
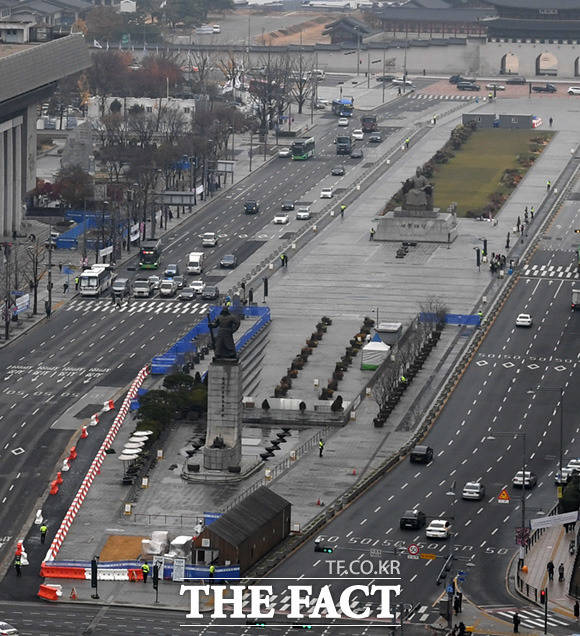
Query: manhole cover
88,410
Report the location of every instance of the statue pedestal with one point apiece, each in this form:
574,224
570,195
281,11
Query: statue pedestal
422,226
224,415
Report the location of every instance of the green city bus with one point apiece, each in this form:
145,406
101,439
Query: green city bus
303,148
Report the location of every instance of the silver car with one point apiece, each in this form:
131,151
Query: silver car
473,490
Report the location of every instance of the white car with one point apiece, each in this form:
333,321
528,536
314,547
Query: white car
154,281
197,285
303,214
473,490
284,153
326,193
358,134
281,219
399,81
216,28
438,529
7,629
343,121
209,239
529,481
167,288
524,320
498,87
574,90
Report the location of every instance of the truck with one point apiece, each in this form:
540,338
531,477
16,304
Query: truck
575,299
195,263
142,288
343,145
369,123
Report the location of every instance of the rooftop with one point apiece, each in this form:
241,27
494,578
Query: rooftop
10,49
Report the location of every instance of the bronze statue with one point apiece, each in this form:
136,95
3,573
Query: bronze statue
417,192
218,442
226,324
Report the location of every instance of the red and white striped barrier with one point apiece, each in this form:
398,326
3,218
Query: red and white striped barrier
95,467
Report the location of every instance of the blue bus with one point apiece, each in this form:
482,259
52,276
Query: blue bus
343,107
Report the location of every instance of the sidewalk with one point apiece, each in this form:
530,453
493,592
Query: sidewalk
552,545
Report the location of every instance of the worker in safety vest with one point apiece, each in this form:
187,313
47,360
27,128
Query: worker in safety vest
145,569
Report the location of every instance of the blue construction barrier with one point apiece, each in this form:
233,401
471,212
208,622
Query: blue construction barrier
69,239
175,356
469,320
78,216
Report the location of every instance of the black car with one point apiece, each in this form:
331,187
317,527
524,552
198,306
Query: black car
356,154
179,281
455,79
468,86
210,292
251,207
548,88
413,519
287,205
337,171
517,79
375,138
385,78
228,260
421,454
187,294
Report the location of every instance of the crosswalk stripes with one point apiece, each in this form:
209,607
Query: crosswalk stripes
562,272
451,98
158,307
532,617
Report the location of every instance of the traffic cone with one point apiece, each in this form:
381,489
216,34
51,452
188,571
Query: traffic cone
73,595
53,487
73,453
84,433
354,471
19,548
59,478
318,502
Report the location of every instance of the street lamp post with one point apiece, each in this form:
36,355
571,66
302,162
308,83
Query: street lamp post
561,390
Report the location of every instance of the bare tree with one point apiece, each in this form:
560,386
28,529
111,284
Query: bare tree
434,312
385,384
302,83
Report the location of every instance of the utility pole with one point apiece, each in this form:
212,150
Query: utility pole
50,269
368,69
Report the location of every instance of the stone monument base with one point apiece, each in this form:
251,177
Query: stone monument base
248,466
429,226
221,458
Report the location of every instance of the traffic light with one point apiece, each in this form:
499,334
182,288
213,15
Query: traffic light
543,596
485,247
478,257
93,573
156,577
301,626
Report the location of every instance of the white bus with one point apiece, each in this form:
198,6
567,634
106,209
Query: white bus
96,280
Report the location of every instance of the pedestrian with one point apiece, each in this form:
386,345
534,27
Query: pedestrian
211,571
526,210
519,223
532,211
407,142
77,281
456,605
561,572
576,610
507,243
118,301
43,531
461,630
522,229
47,308
516,622
490,96
60,267
372,234
550,568
551,121
460,599
548,185
145,569
480,314
282,260
65,287
526,217
18,565
320,447
423,72
342,209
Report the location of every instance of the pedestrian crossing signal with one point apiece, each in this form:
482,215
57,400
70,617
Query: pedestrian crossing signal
322,548
253,621
543,596
302,627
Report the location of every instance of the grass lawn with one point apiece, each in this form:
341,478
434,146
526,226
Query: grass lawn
475,172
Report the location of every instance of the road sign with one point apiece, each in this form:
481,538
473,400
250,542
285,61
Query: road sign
413,548
426,555
503,497
412,556
461,579
376,552
450,590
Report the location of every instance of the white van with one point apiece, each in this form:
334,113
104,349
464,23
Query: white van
195,263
